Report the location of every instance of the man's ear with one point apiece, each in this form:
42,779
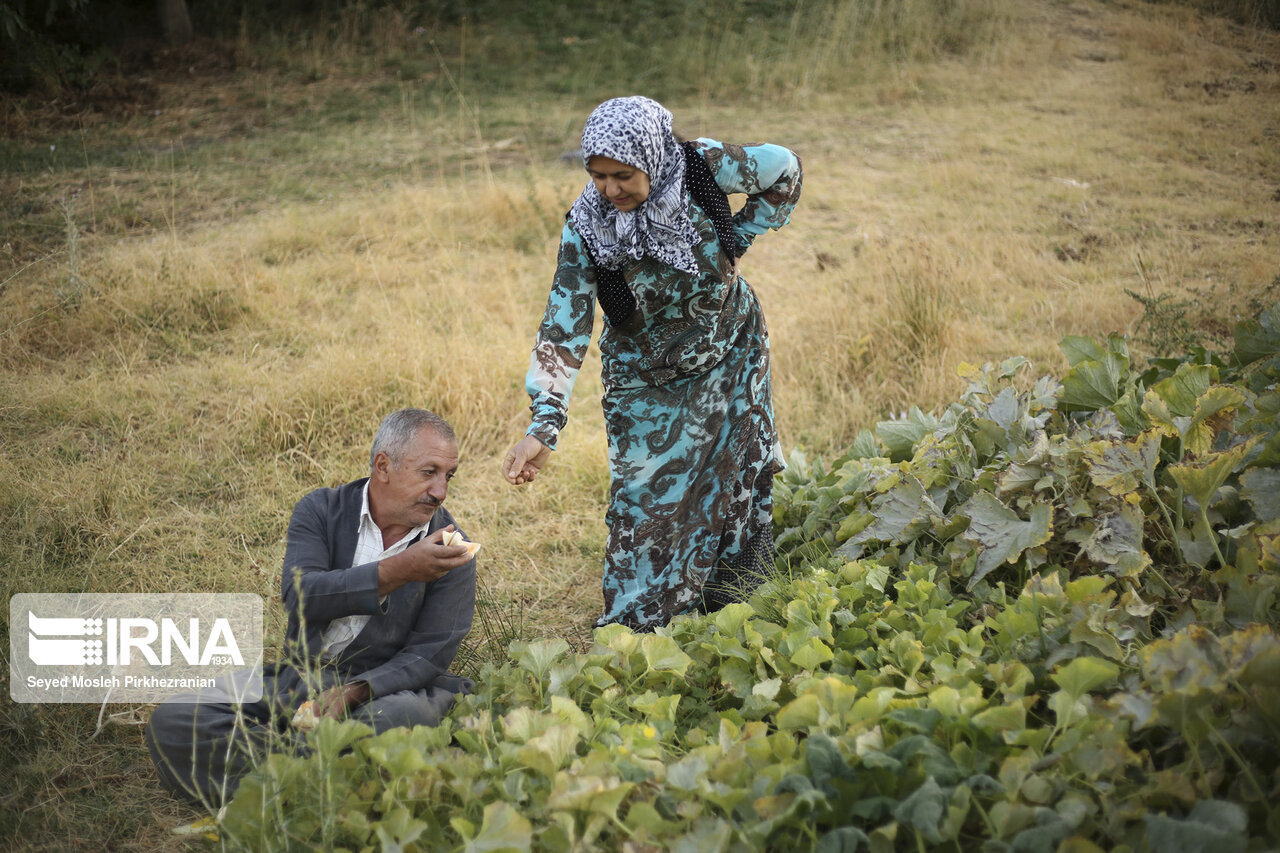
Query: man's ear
382,466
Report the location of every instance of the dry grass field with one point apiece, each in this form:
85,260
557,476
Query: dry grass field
210,294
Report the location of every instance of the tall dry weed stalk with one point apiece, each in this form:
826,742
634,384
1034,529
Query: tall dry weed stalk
920,303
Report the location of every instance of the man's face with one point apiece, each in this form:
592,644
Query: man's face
408,492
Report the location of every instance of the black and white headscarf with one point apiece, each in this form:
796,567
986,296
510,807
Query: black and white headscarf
637,131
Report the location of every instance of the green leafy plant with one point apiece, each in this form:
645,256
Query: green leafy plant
1042,619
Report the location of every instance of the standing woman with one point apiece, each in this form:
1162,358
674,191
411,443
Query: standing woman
692,444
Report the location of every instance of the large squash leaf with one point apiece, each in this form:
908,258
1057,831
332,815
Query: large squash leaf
1001,534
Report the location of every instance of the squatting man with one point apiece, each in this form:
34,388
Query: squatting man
376,606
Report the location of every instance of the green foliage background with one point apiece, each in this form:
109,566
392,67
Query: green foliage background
56,47
967,645
60,47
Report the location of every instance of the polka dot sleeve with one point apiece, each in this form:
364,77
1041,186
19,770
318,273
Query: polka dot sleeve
769,175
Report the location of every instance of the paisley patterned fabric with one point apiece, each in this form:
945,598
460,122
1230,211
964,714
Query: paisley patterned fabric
636,131
687,403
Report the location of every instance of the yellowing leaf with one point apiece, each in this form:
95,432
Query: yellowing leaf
1202,480
1002,718
642,815
1254,653
1183,405
767,808
503,830
538,656
399,828
1084,674
899,436
548,752
1116,543
568,711
813,654
395,751
945,699
768,688
835,696
1181,390
595,794
730,618
656,707
853,524
1092,632
1121,467
524,723
664,654
1191,659
799,713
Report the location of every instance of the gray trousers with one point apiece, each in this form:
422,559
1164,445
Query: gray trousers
202,744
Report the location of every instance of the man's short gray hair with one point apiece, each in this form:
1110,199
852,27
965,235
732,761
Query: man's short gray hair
398,429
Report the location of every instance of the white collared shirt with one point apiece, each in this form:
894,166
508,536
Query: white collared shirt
339,633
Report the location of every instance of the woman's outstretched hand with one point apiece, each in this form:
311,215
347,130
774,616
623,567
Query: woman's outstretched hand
525,460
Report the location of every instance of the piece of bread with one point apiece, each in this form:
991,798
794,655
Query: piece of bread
305,717
454,537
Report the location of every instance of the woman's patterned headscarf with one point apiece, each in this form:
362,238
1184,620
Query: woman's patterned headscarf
637,131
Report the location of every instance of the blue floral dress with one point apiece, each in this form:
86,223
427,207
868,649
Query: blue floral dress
687,404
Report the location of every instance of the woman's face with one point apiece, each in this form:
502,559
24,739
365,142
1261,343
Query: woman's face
626,187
